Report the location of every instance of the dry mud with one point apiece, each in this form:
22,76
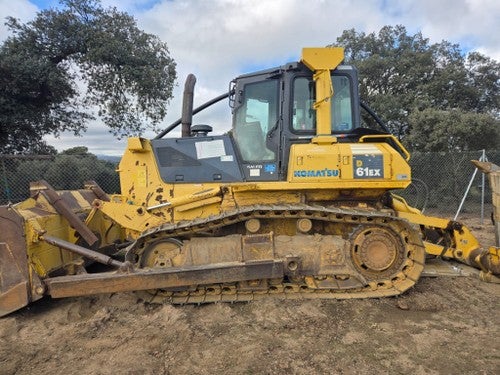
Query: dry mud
443,325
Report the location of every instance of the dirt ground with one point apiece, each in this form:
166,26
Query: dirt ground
443,325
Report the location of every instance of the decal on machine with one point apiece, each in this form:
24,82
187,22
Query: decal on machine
258,170
368,166
270,168
254,170
210,149
317,173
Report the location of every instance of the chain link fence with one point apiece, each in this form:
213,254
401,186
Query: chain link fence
62,172
440,180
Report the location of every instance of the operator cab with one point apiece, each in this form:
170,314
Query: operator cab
273,109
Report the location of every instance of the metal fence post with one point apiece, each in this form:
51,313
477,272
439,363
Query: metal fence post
5,181
483,156
468,189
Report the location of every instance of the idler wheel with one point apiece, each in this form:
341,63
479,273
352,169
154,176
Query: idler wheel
161,254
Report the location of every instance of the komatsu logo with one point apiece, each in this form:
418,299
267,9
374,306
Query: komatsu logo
317,173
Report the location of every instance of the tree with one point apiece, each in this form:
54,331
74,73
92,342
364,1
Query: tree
440,130
68,170
78,150
127,74
406,79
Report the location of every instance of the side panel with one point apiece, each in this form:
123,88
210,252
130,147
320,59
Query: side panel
341,165
196,159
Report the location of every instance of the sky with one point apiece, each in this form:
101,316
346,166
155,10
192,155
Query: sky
218,40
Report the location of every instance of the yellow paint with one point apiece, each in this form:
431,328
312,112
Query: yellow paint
40,217
135,144
322,61
131,217
142,177
337,162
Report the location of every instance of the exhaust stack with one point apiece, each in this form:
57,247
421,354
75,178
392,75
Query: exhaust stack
187,105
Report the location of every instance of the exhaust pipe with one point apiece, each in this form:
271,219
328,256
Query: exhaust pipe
187,105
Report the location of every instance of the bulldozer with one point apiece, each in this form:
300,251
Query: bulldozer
294,201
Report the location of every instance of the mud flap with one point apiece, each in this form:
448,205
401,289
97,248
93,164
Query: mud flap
14,279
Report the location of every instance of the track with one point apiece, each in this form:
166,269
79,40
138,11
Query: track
405,252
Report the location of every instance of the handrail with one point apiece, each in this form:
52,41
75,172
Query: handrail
393,138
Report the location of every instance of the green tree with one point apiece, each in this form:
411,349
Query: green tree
71,168
127,75
406,79
79,150
452,130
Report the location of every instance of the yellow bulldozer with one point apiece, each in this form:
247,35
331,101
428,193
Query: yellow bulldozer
294,201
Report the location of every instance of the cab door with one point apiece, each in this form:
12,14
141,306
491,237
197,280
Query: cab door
256,127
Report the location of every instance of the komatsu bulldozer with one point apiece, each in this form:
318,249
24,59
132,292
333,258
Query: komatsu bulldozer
293,201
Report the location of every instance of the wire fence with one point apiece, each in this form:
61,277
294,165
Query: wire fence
62,172
440,180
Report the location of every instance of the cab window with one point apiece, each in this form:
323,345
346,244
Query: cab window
304,115
255,118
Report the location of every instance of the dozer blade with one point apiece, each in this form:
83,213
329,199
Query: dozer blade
14,279
440,267
113,282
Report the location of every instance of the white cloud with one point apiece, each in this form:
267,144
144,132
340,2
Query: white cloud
220,39
474,24
22,9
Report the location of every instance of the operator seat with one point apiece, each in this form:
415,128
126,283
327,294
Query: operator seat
251,142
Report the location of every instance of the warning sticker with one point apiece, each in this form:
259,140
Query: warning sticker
254,172
210,149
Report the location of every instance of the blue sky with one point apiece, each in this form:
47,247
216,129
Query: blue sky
220,39
42,4
139,5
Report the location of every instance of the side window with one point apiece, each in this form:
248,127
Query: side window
304,115
341,105
255,118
